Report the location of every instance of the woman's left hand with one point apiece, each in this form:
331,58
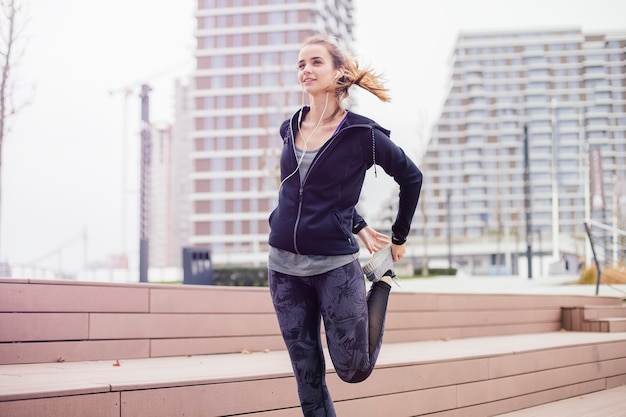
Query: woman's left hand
372,239
397,252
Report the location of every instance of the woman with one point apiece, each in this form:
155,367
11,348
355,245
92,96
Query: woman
313,263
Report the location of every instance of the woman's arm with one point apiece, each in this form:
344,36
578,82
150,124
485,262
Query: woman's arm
409,177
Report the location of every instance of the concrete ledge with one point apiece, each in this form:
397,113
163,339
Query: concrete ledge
44,321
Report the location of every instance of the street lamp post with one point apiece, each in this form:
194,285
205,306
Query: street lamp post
449,221
529,249
144,191
555,181
540,253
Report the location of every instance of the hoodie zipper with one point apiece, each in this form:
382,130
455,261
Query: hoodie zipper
301,188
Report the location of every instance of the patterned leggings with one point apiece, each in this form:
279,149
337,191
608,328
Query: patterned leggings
354,324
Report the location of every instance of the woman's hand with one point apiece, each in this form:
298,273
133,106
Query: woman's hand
372,239
397,252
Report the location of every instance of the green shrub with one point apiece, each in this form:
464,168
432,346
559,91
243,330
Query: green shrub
240,276
436,271
257,276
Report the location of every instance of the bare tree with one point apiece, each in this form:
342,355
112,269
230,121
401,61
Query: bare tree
10,31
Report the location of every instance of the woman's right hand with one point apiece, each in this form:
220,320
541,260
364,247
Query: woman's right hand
372,239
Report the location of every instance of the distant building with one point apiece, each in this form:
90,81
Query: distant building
568,89
170,190
244,86
160,230
182,168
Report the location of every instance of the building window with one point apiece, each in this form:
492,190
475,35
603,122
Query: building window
221,22
218,61
474,140
277,38
276,18
269,58
537,85
237,122
253,39
221,41
208,22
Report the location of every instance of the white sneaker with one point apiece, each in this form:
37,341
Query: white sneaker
380,265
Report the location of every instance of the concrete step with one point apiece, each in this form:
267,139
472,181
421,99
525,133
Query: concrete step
472,377
607,325
604,318
603,311
594,318
606,403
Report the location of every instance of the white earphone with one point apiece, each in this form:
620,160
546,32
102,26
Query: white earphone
338,74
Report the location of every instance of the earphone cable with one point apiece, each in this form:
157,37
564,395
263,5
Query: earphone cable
304,140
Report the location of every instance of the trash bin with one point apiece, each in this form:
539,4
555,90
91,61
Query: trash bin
197,267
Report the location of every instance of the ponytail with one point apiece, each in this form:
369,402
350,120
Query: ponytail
364,78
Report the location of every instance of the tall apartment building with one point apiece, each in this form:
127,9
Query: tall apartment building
181,172
161,191
170,189
568,89
245,85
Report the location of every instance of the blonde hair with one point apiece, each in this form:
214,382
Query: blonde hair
353,74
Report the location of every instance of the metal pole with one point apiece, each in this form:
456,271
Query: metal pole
144,186
540,254
127,92
584,169
595,258
617,195
555,182
449,220
529,250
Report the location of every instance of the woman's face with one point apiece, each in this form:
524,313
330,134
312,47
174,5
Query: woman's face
315,69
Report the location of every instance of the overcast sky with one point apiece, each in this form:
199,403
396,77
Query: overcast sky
63,158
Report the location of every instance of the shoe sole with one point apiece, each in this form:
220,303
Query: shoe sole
377,259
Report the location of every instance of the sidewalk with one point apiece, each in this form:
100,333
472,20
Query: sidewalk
607,403
553,285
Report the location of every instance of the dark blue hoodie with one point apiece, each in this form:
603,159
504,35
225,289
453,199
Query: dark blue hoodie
315,217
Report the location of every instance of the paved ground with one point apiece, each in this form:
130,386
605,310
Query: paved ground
608,403
559,284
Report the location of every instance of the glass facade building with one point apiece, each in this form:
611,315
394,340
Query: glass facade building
567,90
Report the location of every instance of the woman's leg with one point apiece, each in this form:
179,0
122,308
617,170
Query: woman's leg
354,321
297,309
377,299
